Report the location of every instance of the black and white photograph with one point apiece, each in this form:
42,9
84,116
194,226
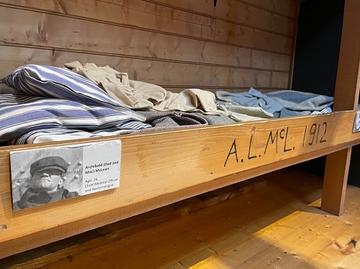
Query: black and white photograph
44,176
357,123
47,175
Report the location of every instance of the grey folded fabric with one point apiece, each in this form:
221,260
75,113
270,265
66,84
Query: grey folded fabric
243,113
62,134
216,119
4,89
160,119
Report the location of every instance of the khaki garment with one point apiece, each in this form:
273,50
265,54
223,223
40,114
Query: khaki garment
189,100
134,94
139,94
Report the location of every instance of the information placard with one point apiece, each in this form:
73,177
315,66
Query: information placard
42,176
357,122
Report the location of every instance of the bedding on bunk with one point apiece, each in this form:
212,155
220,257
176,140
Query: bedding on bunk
21,114
46,103
131,93
276,104
56,82
45,97
297,103
138,94
240,113
61,134
172,119
252,102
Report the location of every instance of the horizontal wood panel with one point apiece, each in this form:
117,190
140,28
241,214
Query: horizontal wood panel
219,31
147,181
150,71
262,59
60,32
137,13
236,11
199,13
286,8
280,80
148,37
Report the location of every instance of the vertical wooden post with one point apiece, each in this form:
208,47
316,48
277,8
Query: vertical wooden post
346,98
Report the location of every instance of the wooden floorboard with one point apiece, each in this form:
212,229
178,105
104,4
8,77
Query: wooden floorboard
273,222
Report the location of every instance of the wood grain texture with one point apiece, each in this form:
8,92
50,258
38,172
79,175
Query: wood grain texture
262,59
279,80
186,75
148,181
346,97
147,69
199,49
66,33
347,78
285,8
335,183
220,31
59,32
279,226
125,228
201,14
304,237
236,12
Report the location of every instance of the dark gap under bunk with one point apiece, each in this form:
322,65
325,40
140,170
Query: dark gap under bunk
316,61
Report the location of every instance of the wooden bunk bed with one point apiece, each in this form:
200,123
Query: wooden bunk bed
165,167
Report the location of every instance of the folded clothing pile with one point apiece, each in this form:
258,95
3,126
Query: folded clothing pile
296,103
45,103
56,82
277,104
45,97
141,95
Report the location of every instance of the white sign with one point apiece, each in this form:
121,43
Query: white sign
42,176
357,122
101,168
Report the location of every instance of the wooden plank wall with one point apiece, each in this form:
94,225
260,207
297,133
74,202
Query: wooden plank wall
173,43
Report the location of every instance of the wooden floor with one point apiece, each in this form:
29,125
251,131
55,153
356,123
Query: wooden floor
272,222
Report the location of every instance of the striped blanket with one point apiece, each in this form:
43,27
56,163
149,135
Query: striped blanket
47,97
56,82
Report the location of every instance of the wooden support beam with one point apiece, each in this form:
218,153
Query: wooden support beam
346,97
336,174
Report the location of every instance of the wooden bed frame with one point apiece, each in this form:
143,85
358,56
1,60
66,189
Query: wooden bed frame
161,168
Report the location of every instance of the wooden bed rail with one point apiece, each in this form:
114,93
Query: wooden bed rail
346,98
161,168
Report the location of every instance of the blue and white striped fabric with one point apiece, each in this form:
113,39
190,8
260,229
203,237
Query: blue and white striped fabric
21,114
56,82
326,110
61,134
48,99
